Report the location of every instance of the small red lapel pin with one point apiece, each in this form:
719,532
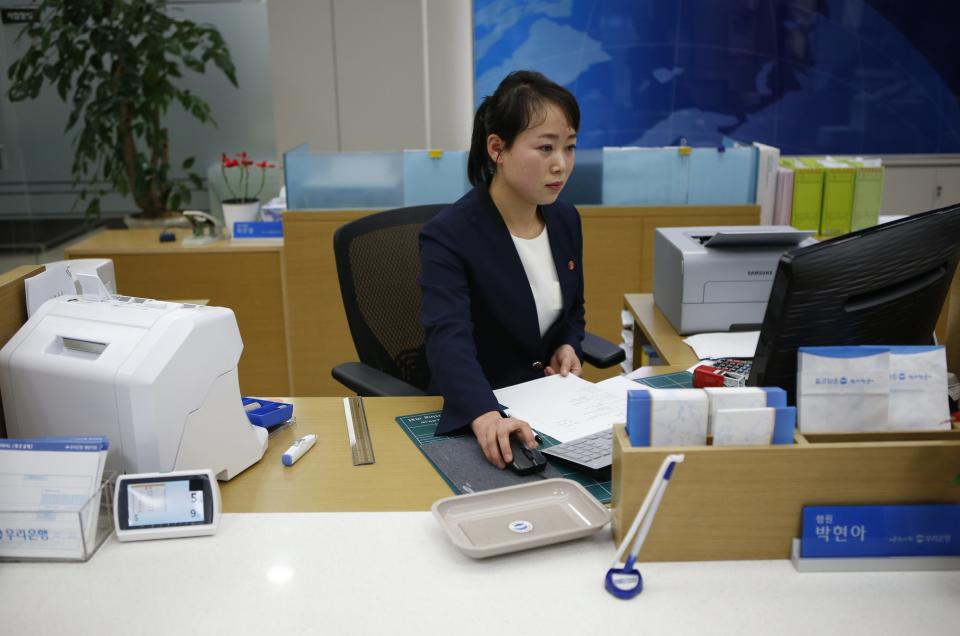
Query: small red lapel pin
571,265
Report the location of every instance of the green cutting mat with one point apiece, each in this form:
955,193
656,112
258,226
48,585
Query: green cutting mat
678,380
420,427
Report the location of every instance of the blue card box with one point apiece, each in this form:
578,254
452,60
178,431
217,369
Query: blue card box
268,414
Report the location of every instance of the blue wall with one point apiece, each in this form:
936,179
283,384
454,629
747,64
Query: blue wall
808,76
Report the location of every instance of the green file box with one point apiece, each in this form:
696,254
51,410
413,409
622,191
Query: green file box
867,192
838,193
807,193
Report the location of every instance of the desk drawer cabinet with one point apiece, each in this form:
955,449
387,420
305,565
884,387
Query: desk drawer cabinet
745,502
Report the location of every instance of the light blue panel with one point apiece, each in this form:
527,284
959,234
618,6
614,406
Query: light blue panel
343,180
644,176
585,183
722,178
428,180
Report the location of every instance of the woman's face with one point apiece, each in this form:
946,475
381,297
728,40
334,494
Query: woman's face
536,167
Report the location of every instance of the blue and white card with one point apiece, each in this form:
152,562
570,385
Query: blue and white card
881,531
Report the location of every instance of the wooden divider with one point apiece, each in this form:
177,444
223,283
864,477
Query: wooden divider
745,502
618,258
14,314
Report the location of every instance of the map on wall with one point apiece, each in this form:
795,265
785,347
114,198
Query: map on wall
808,76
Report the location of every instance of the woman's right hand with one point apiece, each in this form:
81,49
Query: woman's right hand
493,434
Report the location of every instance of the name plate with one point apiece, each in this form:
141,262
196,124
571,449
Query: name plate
881,531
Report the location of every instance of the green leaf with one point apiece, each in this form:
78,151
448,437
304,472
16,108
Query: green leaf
117,65
188,163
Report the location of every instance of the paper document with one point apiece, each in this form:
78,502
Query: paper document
564,408
732,344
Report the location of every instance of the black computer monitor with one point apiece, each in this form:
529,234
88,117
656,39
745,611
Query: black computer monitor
881,285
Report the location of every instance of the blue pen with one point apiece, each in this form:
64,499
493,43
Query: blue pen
623,580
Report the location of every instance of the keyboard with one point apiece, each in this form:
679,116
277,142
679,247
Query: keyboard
592,453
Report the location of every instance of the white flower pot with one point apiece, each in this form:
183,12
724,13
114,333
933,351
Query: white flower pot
235,211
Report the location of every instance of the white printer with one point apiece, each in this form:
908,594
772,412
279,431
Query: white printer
159,379
715,278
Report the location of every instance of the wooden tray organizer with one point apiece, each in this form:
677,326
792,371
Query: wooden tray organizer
743,502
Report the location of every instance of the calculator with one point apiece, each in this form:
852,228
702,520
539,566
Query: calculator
722,372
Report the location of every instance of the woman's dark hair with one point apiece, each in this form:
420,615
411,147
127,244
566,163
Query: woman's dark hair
521,97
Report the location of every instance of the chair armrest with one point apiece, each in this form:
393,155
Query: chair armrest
370,382
601,353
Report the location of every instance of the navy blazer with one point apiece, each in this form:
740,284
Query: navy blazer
478,312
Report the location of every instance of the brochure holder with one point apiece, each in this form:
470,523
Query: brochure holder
73,534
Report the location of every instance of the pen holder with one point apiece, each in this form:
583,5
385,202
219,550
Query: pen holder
69,534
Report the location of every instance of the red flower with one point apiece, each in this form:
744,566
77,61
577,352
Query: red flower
241,186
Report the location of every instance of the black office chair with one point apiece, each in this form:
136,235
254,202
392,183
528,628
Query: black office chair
378,264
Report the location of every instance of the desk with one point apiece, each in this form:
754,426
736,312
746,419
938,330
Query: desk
325,479
651,327
396,573
246,277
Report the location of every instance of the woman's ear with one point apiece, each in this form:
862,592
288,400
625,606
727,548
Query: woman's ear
494,148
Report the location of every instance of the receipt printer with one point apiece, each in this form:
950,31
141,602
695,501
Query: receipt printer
159,379
715,278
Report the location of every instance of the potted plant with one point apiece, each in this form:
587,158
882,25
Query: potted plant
241,205
117,64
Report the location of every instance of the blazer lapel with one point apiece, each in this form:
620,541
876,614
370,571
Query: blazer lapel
563,255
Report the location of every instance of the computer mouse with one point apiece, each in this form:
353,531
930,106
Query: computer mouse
526,461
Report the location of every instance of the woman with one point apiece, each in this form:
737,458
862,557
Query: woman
501,268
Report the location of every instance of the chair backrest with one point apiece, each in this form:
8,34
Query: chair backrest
378,264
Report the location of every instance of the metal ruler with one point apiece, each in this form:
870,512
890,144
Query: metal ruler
360,444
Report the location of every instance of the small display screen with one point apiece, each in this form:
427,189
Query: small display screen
165,503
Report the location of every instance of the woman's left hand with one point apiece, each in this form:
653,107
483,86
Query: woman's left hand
564,361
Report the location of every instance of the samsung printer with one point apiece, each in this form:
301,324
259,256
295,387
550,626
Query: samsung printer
718,278
159,379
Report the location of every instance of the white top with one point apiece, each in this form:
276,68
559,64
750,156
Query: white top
541,271
396,572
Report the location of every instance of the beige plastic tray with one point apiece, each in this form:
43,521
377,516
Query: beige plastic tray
520,517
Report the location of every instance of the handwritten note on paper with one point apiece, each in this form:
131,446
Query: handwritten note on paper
564,408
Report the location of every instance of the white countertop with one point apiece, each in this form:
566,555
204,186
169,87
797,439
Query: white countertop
346,573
